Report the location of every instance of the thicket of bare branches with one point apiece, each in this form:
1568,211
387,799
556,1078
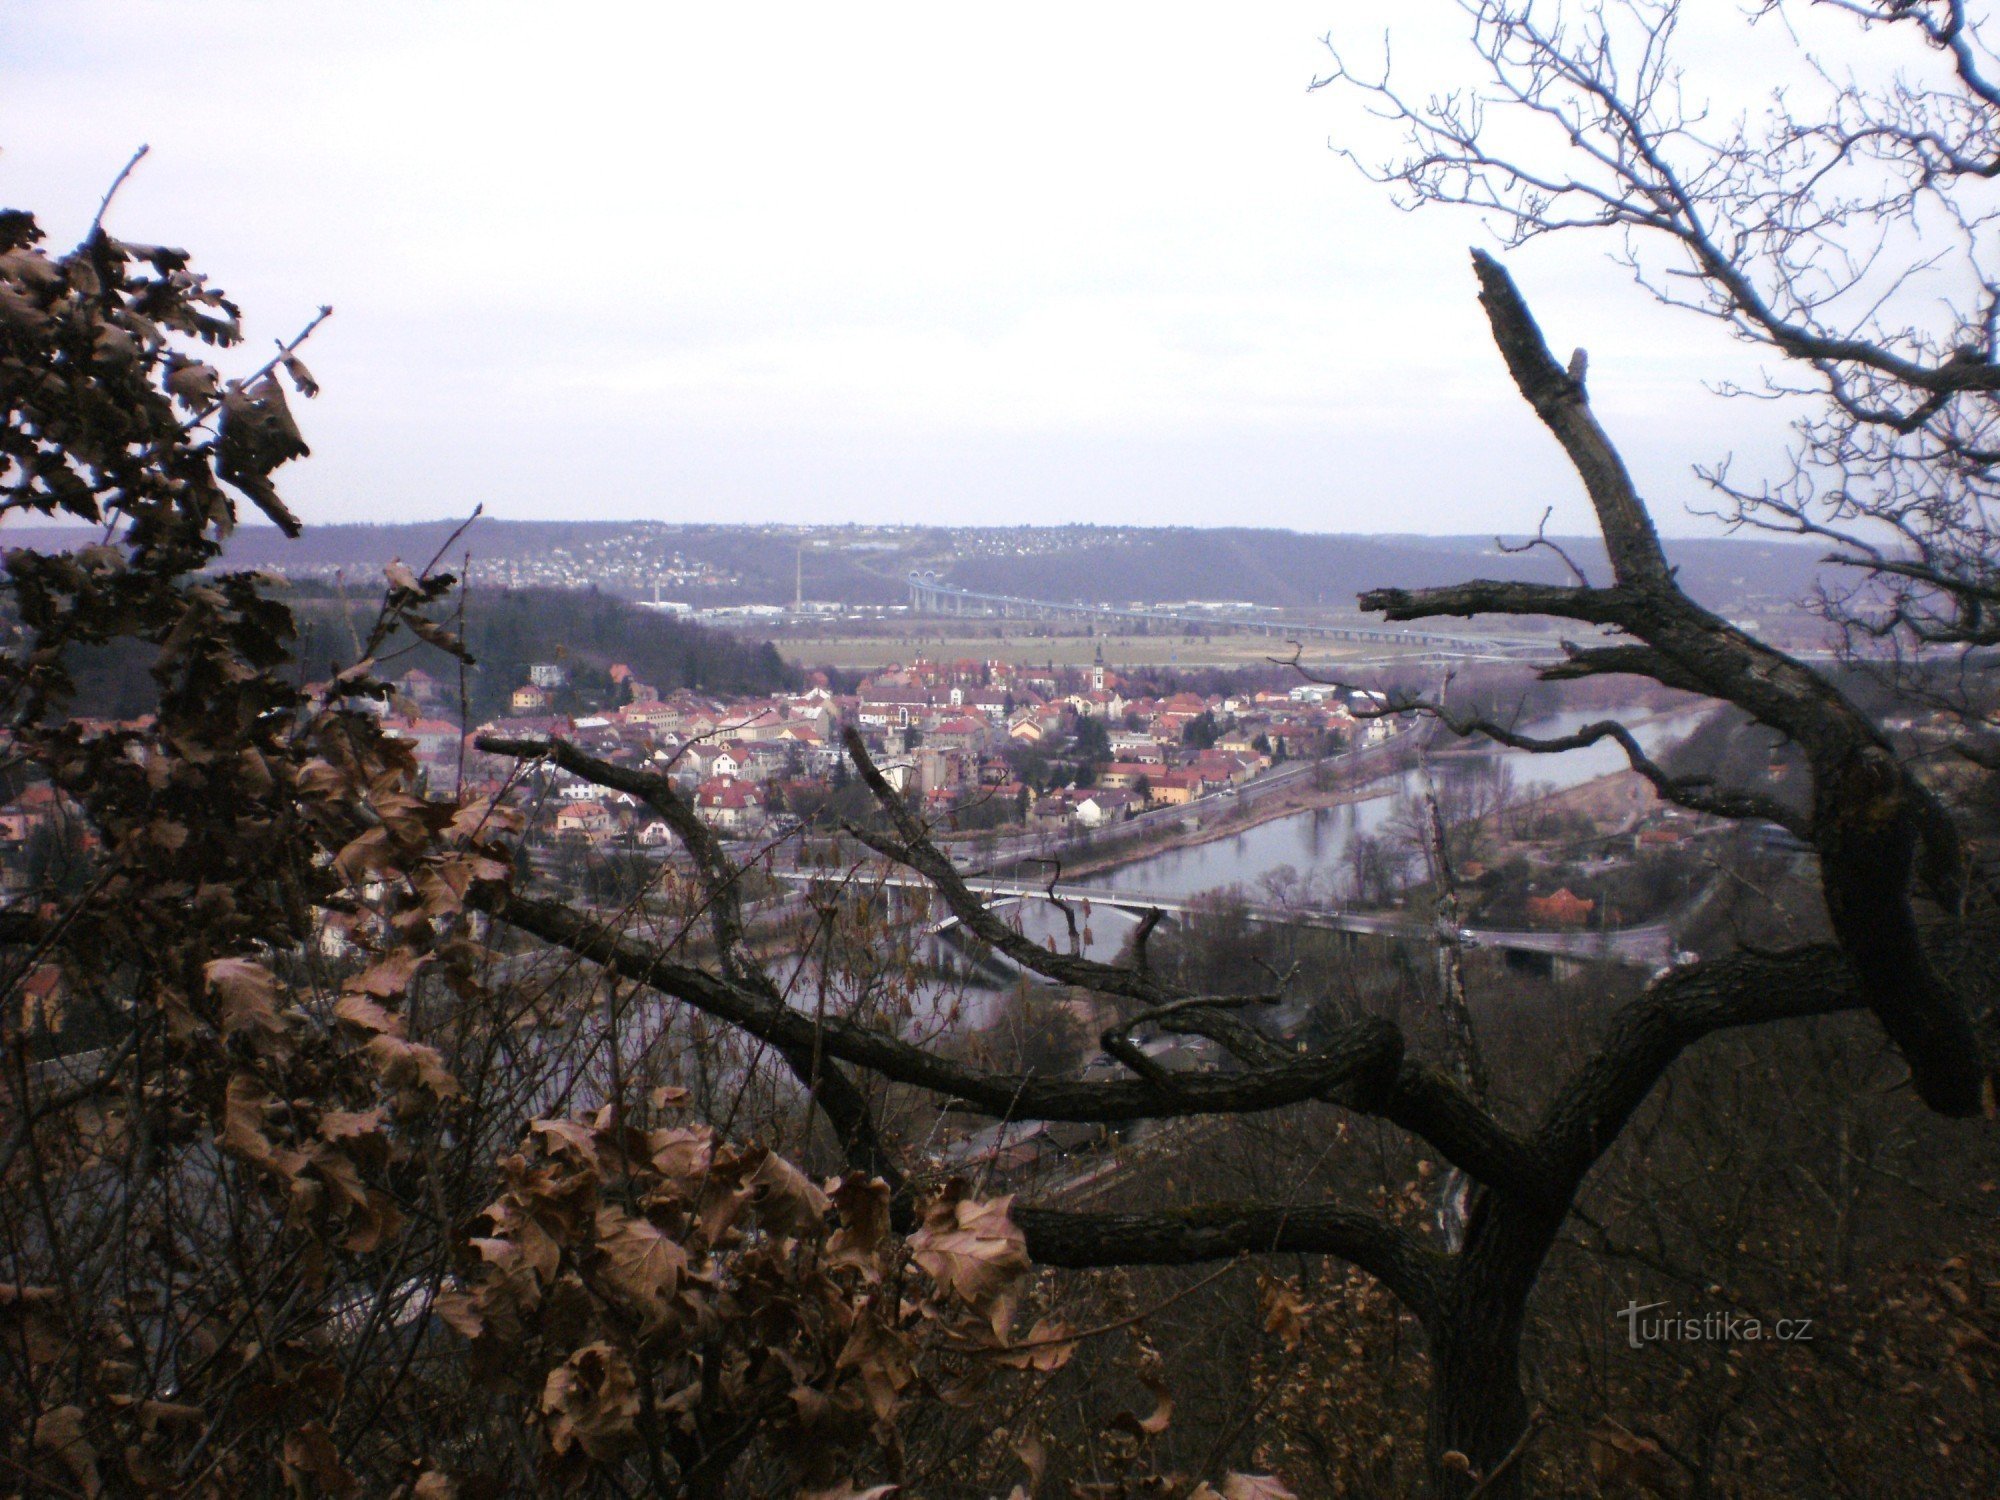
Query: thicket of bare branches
322,1112
1846,224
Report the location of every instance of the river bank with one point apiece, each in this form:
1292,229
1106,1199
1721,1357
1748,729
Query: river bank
1307,797
1310,828
1287,803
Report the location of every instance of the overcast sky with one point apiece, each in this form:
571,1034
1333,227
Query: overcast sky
930,263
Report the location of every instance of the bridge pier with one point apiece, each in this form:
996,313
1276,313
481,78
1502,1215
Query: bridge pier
1525,961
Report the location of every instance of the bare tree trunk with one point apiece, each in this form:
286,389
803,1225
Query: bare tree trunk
1477,1408
1478,1421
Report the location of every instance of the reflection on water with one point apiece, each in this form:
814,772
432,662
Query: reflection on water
1102,930
1314,843
1309,842
915,1005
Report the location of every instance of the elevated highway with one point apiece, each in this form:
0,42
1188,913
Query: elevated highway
1648,947
929,595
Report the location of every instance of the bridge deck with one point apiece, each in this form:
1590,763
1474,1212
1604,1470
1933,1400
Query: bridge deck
1648,946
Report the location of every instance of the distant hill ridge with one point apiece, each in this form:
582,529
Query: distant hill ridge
1295,569
867,565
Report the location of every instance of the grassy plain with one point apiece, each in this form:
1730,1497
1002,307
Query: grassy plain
1024,645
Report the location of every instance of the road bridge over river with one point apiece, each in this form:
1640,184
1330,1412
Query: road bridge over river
1648,947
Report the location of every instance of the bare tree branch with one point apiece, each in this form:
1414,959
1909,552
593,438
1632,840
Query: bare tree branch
1360,1064
1217,1231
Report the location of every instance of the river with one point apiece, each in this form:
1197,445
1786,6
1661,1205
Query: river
1313,844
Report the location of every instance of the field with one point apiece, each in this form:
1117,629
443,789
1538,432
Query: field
1023,644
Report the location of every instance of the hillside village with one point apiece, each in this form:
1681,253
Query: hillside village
983,748
980,744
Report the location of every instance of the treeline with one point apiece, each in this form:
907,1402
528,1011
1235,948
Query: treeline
586,631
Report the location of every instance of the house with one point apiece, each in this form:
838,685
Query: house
818,753
1053,810
41,994
990,703
1097,705
1026,728
891,706
1011,793
1173,788
810,714
538,727
712,762
649,712
1562,909
420,687
1125,775
1101,806
960,733
528,698
590,821
1296,741
631,687
729,806
1133,744
759,760
1220,770
434,738
753,721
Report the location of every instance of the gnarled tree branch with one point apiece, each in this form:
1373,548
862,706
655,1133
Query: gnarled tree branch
1870,817
1360,1063
1216,1231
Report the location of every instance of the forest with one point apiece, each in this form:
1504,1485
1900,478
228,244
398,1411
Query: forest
585,631
505,631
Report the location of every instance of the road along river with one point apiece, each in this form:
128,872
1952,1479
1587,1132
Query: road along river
1314,843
